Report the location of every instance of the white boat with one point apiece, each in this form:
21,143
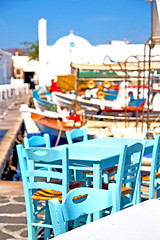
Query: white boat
92,103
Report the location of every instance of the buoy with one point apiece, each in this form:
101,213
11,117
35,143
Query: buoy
91,84
100,94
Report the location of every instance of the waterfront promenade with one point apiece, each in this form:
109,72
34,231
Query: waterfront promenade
10,124
12,207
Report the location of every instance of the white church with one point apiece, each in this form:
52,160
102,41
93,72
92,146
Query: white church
56,59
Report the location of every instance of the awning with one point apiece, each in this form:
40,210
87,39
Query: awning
121,66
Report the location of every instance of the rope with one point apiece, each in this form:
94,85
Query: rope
58,138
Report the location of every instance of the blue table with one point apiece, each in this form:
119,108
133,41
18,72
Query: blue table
101,153
112,141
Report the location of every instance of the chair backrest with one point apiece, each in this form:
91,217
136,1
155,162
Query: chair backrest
155,166
128,172
94,200
36,178
37,141
77,134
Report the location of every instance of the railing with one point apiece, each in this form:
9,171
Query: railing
15,88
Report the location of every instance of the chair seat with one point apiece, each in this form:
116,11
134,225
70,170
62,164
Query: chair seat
145,175
46,194
108,170
126,190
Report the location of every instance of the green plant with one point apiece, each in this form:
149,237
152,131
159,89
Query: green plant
33,49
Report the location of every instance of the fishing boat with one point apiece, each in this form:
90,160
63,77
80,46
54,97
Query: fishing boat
35,121
56,127
114,87
56,124
43,100
114,100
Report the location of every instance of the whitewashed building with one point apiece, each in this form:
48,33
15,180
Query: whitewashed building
5,67
56,59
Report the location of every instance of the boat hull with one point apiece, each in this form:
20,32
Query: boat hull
54,134
69,100
54,127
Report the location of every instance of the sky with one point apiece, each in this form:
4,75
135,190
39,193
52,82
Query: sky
98,21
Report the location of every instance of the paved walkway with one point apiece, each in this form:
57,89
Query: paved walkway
10,124
13,223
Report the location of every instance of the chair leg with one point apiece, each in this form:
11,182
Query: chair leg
78,175
158,188
32,230
47,231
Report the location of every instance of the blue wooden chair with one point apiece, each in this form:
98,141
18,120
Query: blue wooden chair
41,141
76,135
80,134
129,174
37,141
151,178
37,189
92,201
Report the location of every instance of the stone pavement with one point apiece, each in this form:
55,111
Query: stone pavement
13,224
10,124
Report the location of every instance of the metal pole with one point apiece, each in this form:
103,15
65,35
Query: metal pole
144,65
149,66
125,96
149,79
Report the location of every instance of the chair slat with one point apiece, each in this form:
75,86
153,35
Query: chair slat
41,185
43,173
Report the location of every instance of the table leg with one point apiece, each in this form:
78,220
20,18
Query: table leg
97,183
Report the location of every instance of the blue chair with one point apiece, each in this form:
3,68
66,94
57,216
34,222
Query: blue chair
129,174
41,141
92,200
151,178
37,189
80,134
76,135
37,141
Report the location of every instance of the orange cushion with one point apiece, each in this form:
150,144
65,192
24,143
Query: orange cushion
147,176
126,190
47,194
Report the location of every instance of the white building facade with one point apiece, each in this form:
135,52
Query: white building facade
56,59
5,67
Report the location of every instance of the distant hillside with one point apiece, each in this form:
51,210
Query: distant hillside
22,51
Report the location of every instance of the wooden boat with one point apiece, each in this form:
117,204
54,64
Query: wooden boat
95,105
55,127
43,100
